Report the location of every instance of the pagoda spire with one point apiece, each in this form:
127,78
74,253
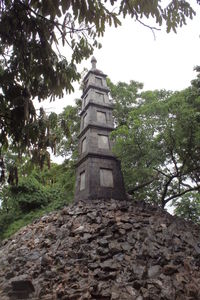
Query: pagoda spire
94,62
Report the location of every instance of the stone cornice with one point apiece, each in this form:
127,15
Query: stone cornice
95,72
96,87
92,103
95,155
97,126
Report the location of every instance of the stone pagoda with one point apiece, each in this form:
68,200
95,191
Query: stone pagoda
98,174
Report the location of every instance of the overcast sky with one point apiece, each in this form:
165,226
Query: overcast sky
130,52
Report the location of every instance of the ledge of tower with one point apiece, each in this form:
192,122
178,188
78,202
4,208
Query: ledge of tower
94,154
109,106
96,126
92,86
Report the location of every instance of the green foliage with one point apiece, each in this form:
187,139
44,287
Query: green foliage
125,97
38,192
29,194
67,130
9,223
159,145
18,138
189,207
5,220
173,15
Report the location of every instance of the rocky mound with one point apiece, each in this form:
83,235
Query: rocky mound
103,250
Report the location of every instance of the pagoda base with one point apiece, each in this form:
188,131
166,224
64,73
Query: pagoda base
102,179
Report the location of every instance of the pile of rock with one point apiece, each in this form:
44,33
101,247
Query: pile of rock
103,250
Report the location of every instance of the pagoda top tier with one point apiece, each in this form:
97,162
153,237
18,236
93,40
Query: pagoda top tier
95,80
94,63
94,70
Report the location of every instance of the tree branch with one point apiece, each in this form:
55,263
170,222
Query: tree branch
150,27
57,24
165,190
142,185
186,185
166,175
181,194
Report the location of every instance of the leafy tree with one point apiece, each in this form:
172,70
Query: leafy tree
125,97
35,140
34,191
37,193
32,65
67,130
189,207
159,145
29,194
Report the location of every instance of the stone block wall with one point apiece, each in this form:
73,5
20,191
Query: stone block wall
93,189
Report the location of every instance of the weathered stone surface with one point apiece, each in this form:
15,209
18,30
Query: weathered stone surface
21,283
170,269
153,271
103,250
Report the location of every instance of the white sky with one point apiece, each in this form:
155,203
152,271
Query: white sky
130,52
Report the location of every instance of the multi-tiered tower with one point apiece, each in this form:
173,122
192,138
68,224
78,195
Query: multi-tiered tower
98,170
